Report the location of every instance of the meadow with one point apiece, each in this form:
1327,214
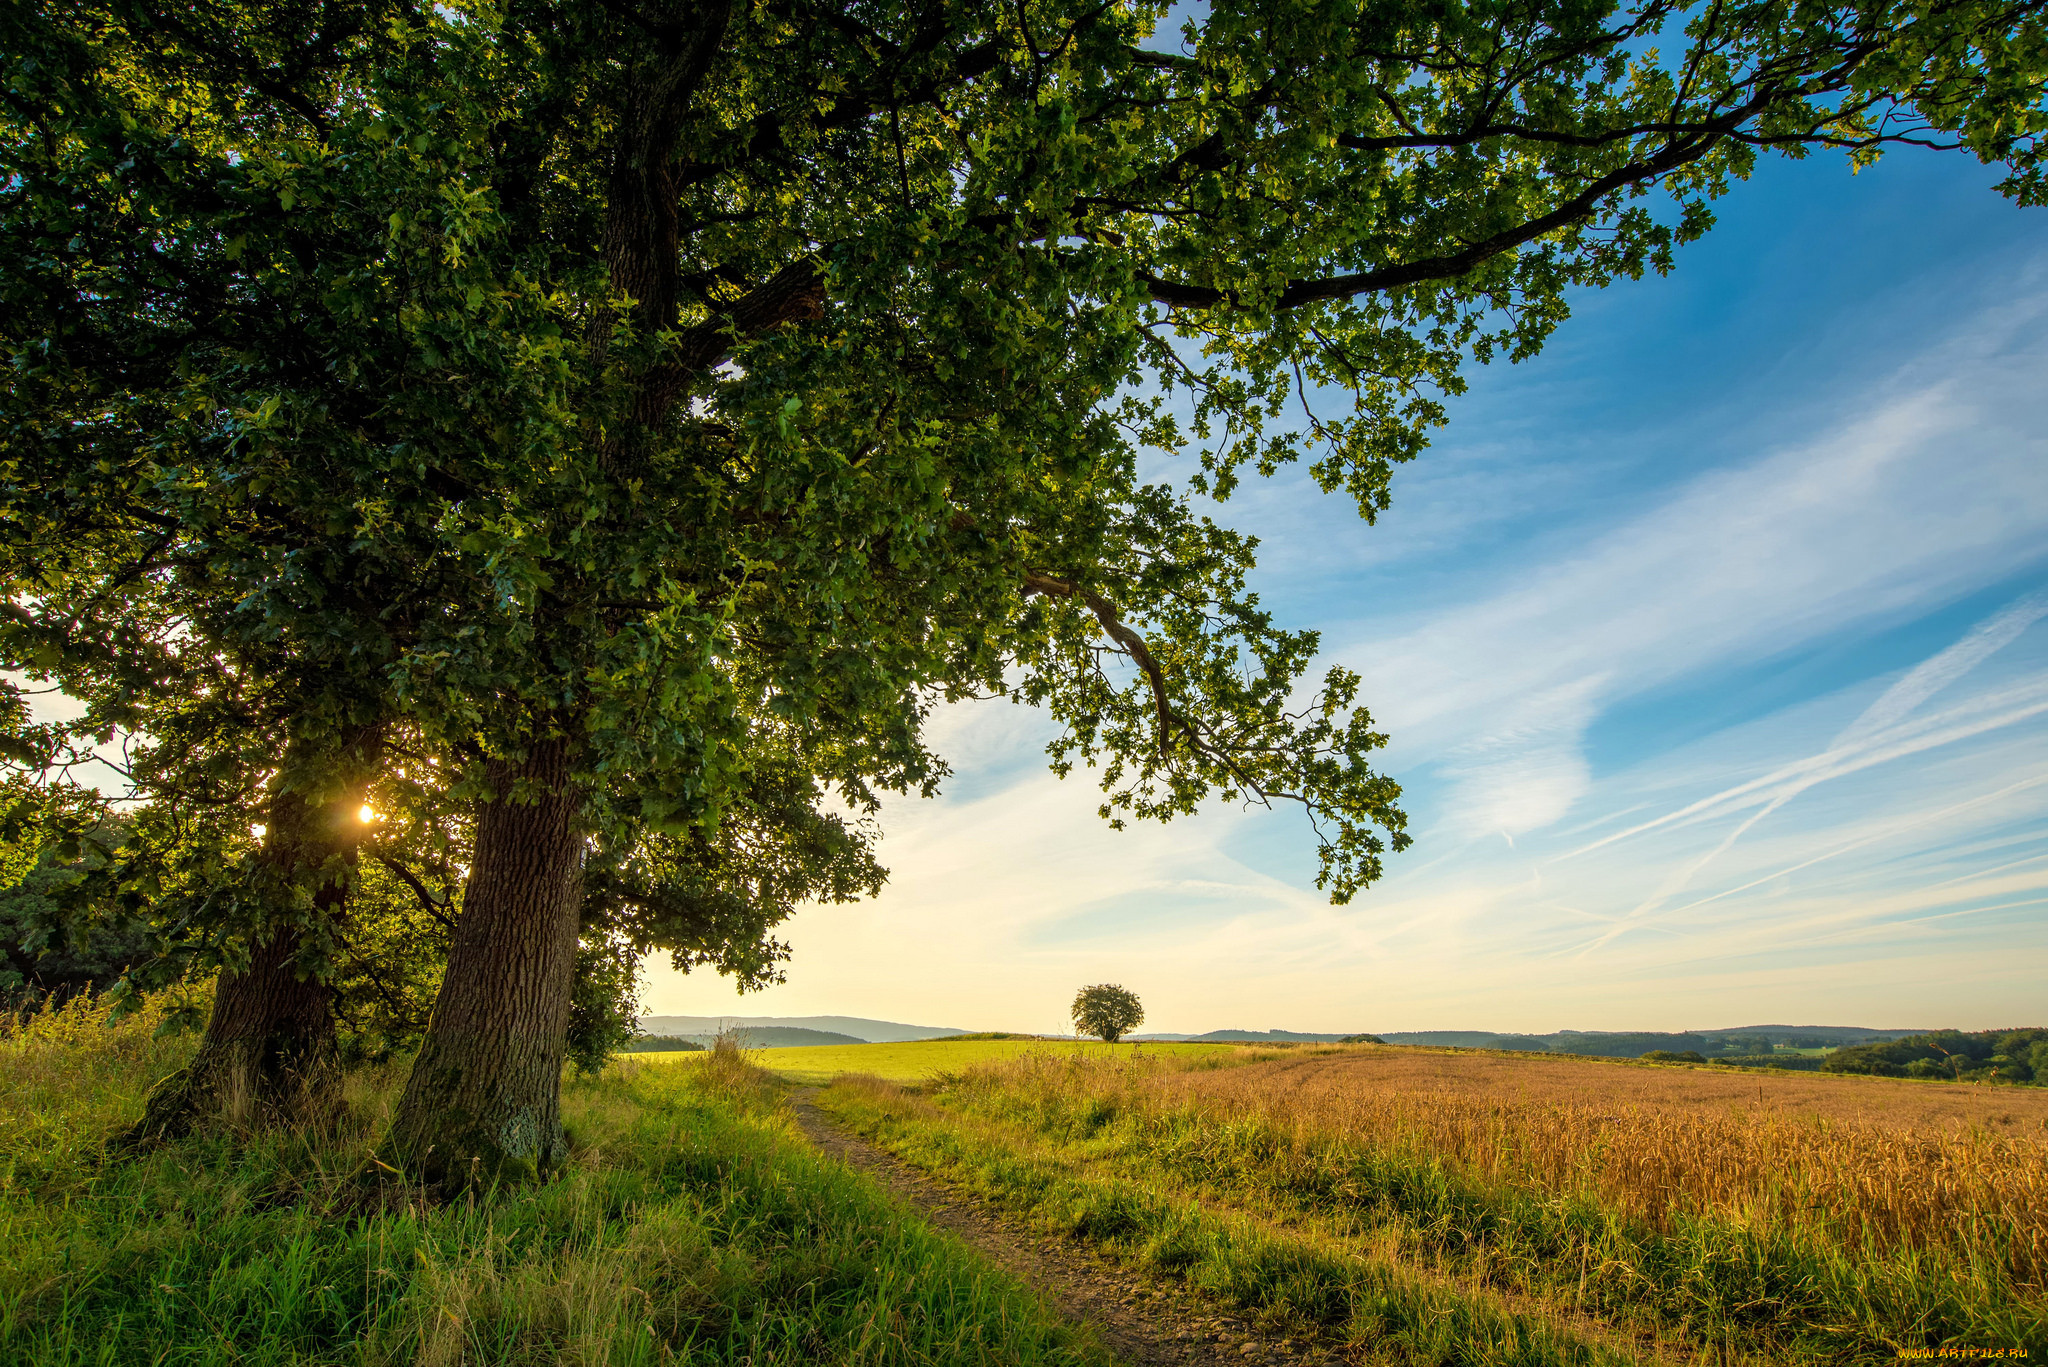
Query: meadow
1396,1207
1555,1210
926,1060
695,1226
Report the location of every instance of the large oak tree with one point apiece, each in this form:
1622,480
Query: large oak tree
587,388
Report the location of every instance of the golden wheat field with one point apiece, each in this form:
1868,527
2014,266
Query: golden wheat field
1328,1079
1886,1161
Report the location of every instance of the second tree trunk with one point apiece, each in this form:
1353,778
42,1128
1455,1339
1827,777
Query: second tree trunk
268,1054
484,1099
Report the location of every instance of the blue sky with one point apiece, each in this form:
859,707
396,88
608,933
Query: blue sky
1714,647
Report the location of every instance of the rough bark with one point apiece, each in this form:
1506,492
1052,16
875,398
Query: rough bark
267,1059
484,1100
268,1056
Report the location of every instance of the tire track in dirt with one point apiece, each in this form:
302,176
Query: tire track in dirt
1143,1323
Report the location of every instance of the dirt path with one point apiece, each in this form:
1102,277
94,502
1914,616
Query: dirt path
1143,1324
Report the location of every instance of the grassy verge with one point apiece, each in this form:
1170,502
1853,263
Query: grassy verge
1291,1281
695,1228
1772,1290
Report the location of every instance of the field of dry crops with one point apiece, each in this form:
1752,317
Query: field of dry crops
1459,1076
1887,1161
1736,1217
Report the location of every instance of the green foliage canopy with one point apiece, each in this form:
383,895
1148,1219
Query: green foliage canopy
721,387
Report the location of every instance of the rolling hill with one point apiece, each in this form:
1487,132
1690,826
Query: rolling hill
1736,1040
844,1029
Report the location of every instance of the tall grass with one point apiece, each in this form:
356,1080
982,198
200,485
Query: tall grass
692,1228
71,1079
1803,1242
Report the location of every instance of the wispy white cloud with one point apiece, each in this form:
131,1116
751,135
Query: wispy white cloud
1938,671
1525,773
1886,831
1992,711
1874,522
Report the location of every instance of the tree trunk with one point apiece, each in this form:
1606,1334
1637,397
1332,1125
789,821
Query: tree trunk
268,1056
484,1099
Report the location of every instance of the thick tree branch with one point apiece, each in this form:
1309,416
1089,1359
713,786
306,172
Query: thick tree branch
794,294
641,228
1452,265
419,889
1037,581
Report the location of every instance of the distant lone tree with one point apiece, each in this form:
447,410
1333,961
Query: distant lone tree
1107,1011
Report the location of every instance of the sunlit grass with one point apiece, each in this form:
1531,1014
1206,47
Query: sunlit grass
693,1227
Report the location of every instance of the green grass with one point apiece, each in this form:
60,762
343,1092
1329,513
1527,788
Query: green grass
694,1227
924,1060
1062,1142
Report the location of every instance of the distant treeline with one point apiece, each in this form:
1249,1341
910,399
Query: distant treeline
755,1037
2019,1056
1977,1056
87,961
1733,1044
